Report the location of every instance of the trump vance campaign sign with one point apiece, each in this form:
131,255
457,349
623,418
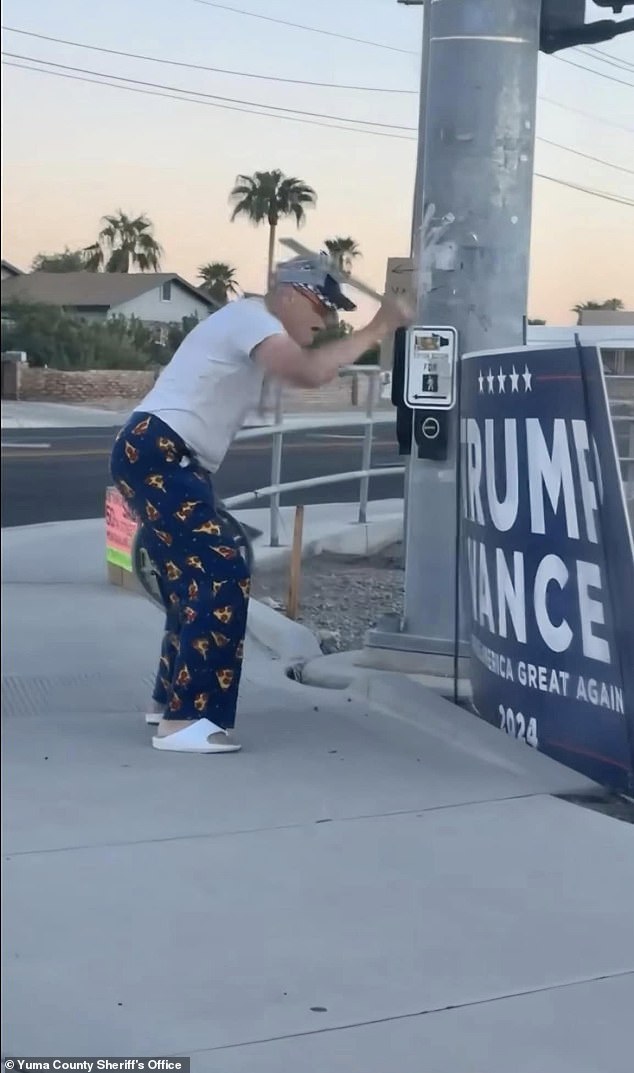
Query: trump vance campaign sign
548,562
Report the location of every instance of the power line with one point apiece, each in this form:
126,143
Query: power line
202,67
392,48
606,57
228,71
211,96
273,108
599,74
586,156
311,29
275,78
586,190
293,118
592,52
587,115
208,104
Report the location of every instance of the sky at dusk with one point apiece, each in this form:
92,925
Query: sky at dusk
73,150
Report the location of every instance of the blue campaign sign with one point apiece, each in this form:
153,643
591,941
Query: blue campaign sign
548,561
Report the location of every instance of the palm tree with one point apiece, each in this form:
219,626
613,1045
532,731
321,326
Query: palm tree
219,281
270,195
613,304
342,252
124,243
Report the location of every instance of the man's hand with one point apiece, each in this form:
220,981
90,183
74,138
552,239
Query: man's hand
394,313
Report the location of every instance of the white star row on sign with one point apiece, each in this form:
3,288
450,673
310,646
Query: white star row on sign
491,379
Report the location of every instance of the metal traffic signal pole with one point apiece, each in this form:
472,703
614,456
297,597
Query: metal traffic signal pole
417,209
472,261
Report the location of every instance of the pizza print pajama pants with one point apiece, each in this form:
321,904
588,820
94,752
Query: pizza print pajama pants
203,577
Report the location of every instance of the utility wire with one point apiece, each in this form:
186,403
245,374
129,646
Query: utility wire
589,70
189,100
215,70
613,61
586,190
606,57
264,108
275,78
587,115
209,104
587,156
257,104
210,96
311,29
379,44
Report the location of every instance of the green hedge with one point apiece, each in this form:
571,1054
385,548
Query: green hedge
60,340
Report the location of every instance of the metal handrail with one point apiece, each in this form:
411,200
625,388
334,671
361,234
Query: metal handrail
311,482
276,432
353,370
622,420
309,423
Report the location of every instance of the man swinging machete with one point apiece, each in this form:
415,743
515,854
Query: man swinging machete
171,446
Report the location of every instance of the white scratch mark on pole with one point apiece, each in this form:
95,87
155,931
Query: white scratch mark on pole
484,37
431,252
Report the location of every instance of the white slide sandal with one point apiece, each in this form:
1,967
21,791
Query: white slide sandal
196,739
153,718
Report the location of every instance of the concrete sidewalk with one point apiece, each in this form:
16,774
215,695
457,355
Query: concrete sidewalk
16,415
351,893
34,415
328,527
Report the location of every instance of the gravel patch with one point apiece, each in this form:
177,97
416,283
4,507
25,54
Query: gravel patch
341,597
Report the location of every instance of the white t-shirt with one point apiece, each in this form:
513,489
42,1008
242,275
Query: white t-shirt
212,383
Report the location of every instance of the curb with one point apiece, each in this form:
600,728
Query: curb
86,417
287,640
423,707
402,697
350,670
358,539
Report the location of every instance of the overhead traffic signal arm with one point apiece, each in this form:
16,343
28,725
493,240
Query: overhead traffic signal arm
563,24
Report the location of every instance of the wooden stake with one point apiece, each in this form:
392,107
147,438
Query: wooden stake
296,565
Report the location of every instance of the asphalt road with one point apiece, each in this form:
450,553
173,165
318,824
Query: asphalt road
61,474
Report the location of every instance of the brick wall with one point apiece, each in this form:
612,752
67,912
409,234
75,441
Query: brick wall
55,385
336,396
99,386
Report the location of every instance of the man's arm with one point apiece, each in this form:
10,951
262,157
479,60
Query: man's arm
299,366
